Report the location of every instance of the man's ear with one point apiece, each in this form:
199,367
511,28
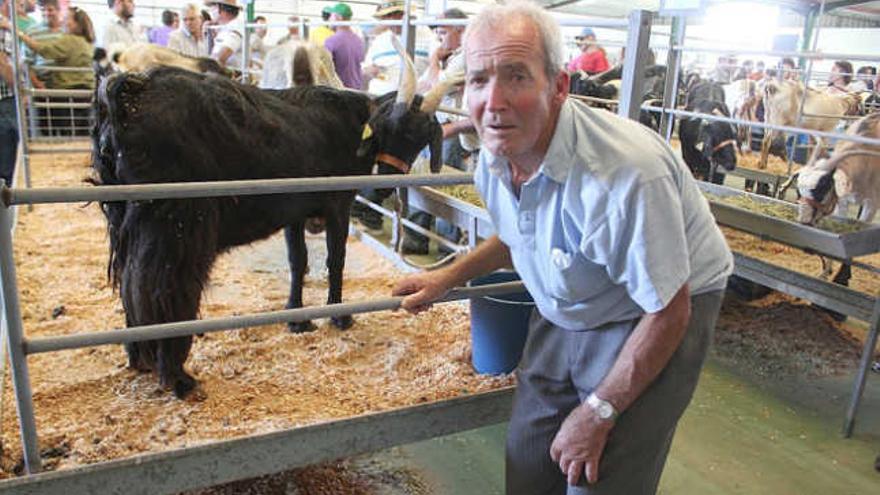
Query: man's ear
563,79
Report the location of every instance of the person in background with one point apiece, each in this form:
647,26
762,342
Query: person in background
51,28
864,80
789,69
346,47
618,248
319,34
758,73
72,49
258,42
381,63
227,45
122,30
592,59
446,62
159,35
190,39
292,31
840,77
8,116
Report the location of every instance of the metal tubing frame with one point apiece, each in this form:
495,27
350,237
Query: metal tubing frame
673,70
762,125
171,472
18,90
636,57
192,327
177,190
862,374
21,383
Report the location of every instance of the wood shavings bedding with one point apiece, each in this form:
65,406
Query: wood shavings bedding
90,407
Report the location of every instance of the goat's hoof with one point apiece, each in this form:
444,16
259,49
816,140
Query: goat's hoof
301,327
342,322
181,384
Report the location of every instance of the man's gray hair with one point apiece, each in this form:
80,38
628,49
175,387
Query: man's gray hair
495,17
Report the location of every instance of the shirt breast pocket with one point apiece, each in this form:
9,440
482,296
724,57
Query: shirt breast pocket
573,278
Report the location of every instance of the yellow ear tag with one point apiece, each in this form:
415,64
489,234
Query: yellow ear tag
368,132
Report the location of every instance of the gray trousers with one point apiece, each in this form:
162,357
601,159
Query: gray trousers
557,372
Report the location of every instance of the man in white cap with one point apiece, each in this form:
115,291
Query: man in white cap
122,30
226,49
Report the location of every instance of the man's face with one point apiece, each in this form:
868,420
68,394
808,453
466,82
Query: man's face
193,22
52,16
261,31
511,101
449,37
124,8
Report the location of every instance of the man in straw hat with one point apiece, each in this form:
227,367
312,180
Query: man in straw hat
381,63
613,240
227,42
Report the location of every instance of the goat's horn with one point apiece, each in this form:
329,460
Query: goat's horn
432,98
406,86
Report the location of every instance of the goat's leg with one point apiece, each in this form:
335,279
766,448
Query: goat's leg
169,250
765,148
297,259
337,234
867,211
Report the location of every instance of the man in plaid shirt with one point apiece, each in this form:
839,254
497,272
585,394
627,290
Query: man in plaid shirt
8,122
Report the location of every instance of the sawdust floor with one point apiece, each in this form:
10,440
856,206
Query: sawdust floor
90,407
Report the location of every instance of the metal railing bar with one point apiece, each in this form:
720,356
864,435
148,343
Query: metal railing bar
61,92
192,327
178,190
817,55
762,125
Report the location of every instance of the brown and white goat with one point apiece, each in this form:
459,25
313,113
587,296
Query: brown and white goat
821,111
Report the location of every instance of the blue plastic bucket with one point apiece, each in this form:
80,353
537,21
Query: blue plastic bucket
499,326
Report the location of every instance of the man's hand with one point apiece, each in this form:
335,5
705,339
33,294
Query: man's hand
421,289
579,444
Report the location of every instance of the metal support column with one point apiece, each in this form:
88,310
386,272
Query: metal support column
638,37
15,343
673,76
246,18
408,31
19,96
864,364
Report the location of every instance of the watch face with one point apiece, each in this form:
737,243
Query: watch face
605,410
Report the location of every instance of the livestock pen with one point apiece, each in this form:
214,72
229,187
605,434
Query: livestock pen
269,445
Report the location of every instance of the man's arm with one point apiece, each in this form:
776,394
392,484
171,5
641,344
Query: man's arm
6,69
581,439
456,127
424,288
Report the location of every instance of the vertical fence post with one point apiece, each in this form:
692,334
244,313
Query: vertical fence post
15,344
17,85
637,39
673,76
862,374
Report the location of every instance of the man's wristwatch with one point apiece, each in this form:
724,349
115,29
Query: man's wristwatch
604,409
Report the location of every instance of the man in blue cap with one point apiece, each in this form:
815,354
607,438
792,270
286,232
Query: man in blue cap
592,59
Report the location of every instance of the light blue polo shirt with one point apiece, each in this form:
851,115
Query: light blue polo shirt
610,227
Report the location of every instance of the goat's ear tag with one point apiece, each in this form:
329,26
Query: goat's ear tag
368,132
700,146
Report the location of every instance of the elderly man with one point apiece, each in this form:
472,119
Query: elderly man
227,40
122,30
618,248
189,40
292,31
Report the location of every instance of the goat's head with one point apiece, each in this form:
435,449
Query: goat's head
403,123
717,140
817,192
